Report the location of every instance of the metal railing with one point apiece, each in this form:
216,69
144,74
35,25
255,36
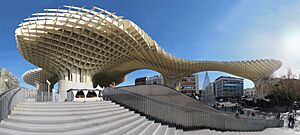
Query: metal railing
44,96
182,117
40,96
9,100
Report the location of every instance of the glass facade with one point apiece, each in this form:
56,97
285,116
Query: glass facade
228,87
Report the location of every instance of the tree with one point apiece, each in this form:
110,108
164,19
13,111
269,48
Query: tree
289,74
285,90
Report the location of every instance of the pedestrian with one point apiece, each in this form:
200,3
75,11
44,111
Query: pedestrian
237,114
278,116
290,118
293,122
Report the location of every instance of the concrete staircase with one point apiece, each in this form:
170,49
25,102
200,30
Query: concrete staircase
74,118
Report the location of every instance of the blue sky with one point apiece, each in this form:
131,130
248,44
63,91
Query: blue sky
193,29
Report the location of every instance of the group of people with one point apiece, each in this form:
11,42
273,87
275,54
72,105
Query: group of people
292,114
237,114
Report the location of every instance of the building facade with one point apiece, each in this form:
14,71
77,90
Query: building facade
157,79
140,81
228,87
189,84
7,80
249,93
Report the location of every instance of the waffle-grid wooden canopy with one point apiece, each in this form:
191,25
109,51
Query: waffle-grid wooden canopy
94,45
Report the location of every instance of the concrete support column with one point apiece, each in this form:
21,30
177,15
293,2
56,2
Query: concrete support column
85,92
97,93
52,88
43,90
43,86
48,89
71,80
88,78
74,94
53,96
64,86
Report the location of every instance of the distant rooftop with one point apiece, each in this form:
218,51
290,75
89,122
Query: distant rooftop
228,77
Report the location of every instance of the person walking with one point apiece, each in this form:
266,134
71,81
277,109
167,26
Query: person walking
237,114
293,122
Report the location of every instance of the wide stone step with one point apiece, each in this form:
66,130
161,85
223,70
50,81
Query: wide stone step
179,132
103,129
63,103
138,129
64,127
76,118
96,129
171,131
62,119
162,130
63,106
56,105
62,109
127,127
6,131
152,129
66,113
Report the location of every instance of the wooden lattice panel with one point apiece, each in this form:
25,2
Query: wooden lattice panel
39,76
106,47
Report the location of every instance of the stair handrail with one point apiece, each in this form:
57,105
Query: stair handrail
180,106
174,90
161,102
3,93
9,99
173,109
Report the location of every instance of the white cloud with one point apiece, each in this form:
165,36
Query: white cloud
276,34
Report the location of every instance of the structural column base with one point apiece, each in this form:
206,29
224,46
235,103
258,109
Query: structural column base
64,86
